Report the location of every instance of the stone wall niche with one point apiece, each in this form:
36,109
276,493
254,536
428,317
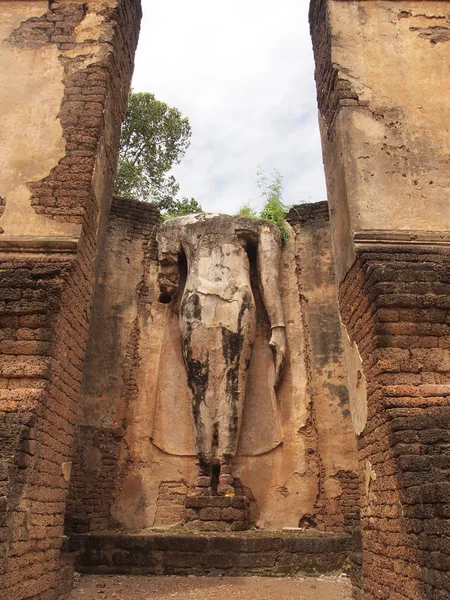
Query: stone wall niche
385,129
287,457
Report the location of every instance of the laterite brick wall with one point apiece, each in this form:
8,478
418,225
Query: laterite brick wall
45,298
396,306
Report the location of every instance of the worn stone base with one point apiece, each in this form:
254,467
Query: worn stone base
216,513
235,554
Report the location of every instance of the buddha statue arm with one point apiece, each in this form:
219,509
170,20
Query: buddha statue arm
169,247
269,253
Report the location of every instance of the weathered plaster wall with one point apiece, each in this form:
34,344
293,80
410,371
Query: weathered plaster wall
29,107
381,113
337,503
57,166
57,146
135,360
114,371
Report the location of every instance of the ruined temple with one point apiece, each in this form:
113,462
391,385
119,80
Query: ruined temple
163,386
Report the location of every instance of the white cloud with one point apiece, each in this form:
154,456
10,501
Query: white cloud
242,71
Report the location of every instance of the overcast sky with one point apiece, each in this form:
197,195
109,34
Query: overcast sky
242,72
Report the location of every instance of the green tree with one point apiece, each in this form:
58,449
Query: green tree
154,137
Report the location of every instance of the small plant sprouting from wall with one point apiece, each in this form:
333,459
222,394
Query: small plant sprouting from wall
247,211
273,210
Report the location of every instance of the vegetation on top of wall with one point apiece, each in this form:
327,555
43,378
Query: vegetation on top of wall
273,210
180,208
246,210
154,137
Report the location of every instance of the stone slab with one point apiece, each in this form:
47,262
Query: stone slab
235,554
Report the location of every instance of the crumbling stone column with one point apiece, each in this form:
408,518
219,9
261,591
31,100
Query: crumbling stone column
65,78
385,132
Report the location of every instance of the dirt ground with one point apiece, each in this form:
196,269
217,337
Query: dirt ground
115,587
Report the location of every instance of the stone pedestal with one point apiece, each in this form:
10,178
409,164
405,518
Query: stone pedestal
216,513
260,553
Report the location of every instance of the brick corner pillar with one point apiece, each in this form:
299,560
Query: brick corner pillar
65,77
382,69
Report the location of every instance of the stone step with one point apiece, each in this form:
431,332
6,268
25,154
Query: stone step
230,553
216,513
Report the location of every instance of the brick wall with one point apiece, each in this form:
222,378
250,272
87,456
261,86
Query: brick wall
314,212
396,306
334,90
44,310
93,480
112,360
41,363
